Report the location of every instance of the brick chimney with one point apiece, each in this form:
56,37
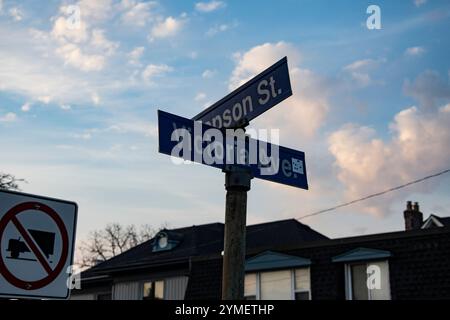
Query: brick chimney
413,217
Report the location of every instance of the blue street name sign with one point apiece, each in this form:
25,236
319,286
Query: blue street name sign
251,99
198,142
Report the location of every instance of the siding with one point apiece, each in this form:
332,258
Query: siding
175,288
127,291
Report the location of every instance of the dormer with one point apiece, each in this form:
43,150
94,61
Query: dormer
166,240
434,221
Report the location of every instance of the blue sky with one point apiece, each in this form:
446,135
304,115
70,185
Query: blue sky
370,107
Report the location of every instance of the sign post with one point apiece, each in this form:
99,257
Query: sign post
204,139
237,184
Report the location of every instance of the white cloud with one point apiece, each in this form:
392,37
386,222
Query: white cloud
9,117
209,6
305,111
26,107
100,42
208,74
165,28
428,88
259,58
367,164
135,54
419,3
78,46
414,51
137,13
44,99
16,13
30,68
200,96
63,31
82,136
95,98
93,11
220,28
65,107
358,71
135,126
153,70
73,56
359,64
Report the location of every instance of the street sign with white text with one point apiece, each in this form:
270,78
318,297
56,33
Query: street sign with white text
201,143
251,99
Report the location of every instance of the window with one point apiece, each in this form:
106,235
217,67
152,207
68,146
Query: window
250,286
276,285
154,290
367,281
302,284
291,284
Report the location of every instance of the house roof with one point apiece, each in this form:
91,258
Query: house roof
360,254
436,221
270,260
445,221
207,239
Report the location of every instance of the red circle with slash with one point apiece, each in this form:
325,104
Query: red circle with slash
11,216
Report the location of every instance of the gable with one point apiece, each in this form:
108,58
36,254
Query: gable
431,222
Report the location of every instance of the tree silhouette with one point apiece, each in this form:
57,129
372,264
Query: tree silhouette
9,182
114,239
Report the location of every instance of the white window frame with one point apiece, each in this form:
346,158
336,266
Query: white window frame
292,274
154,283
293,290
348,278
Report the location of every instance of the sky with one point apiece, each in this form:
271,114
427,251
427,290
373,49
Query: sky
81,83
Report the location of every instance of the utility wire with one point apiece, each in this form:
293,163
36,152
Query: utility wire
218,241
374,195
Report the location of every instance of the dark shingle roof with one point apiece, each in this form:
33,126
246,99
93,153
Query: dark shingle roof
207,239
445,220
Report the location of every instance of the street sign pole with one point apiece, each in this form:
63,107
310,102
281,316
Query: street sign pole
237,184
235,111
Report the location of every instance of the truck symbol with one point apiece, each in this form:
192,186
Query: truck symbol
45,240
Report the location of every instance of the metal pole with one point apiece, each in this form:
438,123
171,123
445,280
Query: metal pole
237,183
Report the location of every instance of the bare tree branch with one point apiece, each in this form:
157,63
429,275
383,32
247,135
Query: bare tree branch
114,239
9,182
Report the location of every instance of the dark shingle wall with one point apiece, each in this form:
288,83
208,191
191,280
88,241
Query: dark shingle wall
205,280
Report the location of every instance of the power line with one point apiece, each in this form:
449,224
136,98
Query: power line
218,241
374,195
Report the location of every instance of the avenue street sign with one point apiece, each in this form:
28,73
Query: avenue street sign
37,239
251,99
201,143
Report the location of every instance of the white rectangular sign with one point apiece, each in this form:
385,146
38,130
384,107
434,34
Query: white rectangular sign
37,239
